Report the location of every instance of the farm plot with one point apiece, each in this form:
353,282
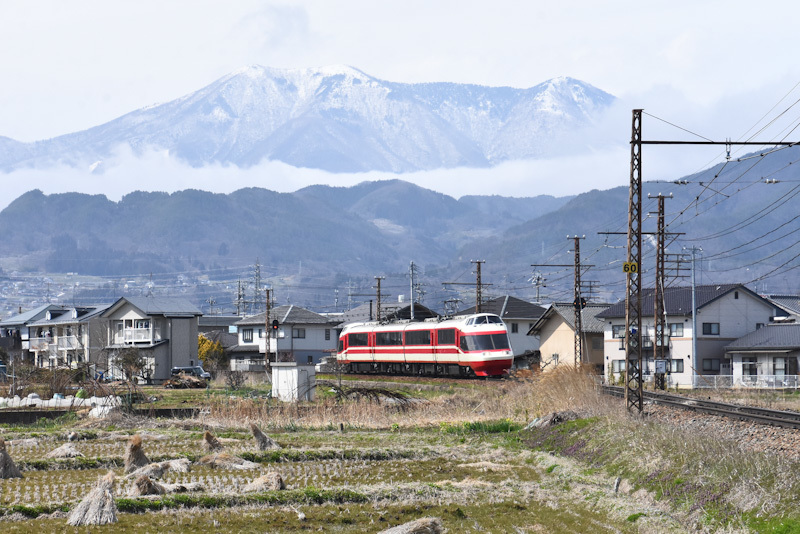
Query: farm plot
332,483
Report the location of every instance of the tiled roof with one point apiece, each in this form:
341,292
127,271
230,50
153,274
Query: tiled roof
771,336
30,315
790,303
590,321
508,307
167,306
678,300
65,316
289,314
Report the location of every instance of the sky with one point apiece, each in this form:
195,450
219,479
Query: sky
714,68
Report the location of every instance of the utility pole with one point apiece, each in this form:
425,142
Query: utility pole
694,251
633,298
378,310
256,286
578,304
634,395
412,270
538,282
478,285
659,318
268,334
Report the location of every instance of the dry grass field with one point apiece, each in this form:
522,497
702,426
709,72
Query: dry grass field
364,464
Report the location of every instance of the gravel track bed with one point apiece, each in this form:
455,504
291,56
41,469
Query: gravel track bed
749,436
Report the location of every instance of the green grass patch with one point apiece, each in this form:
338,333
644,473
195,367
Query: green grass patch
481,427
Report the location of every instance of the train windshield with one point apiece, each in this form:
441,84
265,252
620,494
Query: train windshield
485,342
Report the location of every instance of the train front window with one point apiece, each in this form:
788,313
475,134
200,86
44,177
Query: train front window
341,345
494,319
485,342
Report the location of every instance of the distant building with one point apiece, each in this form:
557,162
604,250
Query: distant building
725,313
302,336
163,329
556,331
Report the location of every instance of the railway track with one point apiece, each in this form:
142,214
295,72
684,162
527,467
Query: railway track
751,414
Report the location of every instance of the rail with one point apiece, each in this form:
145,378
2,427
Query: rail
752,414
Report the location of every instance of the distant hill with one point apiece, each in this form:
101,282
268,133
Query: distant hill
334,118
370,227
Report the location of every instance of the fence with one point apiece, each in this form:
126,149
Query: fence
746,381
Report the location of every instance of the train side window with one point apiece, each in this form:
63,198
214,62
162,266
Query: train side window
388,338
447,336
464,344
418,337
358,340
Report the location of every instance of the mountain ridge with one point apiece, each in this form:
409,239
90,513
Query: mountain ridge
335,118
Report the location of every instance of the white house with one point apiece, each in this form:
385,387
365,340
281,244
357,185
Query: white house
68,337
767,357
725,313
301,336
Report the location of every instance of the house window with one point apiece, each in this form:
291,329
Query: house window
711,364
675,329
676,366
327,334
759,326
554,359
247,335
618,331
514,328
299,333
710,329
597,343
750,366
780,367
260,333
736,294
618,366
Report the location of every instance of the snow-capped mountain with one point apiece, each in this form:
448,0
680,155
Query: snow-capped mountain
334,118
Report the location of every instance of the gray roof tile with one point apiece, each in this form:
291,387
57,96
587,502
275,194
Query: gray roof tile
771,336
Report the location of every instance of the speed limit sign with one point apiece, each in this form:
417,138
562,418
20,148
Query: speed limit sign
630,267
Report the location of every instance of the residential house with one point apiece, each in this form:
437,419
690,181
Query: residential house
15,334
164,329
767,357
519,316
725,312
69,337
556,331
301,336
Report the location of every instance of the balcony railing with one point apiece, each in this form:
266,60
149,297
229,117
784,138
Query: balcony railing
39,344
138,335
68,342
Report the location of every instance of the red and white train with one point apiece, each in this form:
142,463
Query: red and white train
471,345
